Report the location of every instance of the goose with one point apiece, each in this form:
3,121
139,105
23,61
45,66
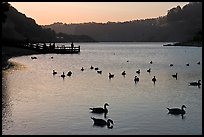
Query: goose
124,73
54,72
91,67
187,64
82,69
138,71
198,63
96,68
171,65
174,76
101,122
69,73
149,70
177,110
154,79
63,75
150,62
136,79
99,71
111,75
195,83
100,109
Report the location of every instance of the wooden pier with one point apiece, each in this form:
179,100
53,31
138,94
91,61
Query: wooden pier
51,48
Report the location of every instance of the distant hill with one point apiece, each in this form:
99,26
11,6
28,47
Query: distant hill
19,27
180,24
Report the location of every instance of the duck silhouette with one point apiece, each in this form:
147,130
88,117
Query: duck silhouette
138,71
195,83
175,76
171,65
82,69
177,111
124,73
154,79
100,109
69,73
54,72
149,70
63,75
91,67
111,75
136,79
101,122
99,71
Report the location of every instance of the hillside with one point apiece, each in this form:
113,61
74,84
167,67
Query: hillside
180,24
18,27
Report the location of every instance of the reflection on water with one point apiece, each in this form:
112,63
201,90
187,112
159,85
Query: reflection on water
37,102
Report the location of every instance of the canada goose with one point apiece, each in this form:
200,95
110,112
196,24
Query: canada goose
187,64
99,71
100,109
96,68
177,110
124,73
174,76
136,79
111,75
91,67
149,70
101,122
195,83
154,79
63,75
54,72
171,65
138,71
82,69
69,73
150,62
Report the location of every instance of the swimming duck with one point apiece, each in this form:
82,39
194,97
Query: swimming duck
63,75
111,75
101,122
149,70
138,71
150,62
136,79
174,76
69,73
177,110
171,65
187,64
195,83
96,68
198,63
100,109
91,67
154,79
99,71
54,72
124,73
82,69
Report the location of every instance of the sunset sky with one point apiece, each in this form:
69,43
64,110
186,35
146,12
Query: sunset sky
46,13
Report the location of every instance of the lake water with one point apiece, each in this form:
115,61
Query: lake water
36,102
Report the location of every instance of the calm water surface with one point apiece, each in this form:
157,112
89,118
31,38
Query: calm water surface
36,102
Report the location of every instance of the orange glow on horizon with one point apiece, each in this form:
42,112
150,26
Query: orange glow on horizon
45,13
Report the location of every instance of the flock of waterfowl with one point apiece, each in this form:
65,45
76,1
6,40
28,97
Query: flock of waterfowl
136,78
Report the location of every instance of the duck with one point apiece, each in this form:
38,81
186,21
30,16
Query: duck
100,109
149,70
91,67
96,68
69,73
195,83
198,62
138,71
171,65
187,64
154,79
174,76
150,62
111,75
99,71
82,69
63,75
124,73
101,122
177,110
54,72
136,79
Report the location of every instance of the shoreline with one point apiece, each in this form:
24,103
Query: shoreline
9,52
